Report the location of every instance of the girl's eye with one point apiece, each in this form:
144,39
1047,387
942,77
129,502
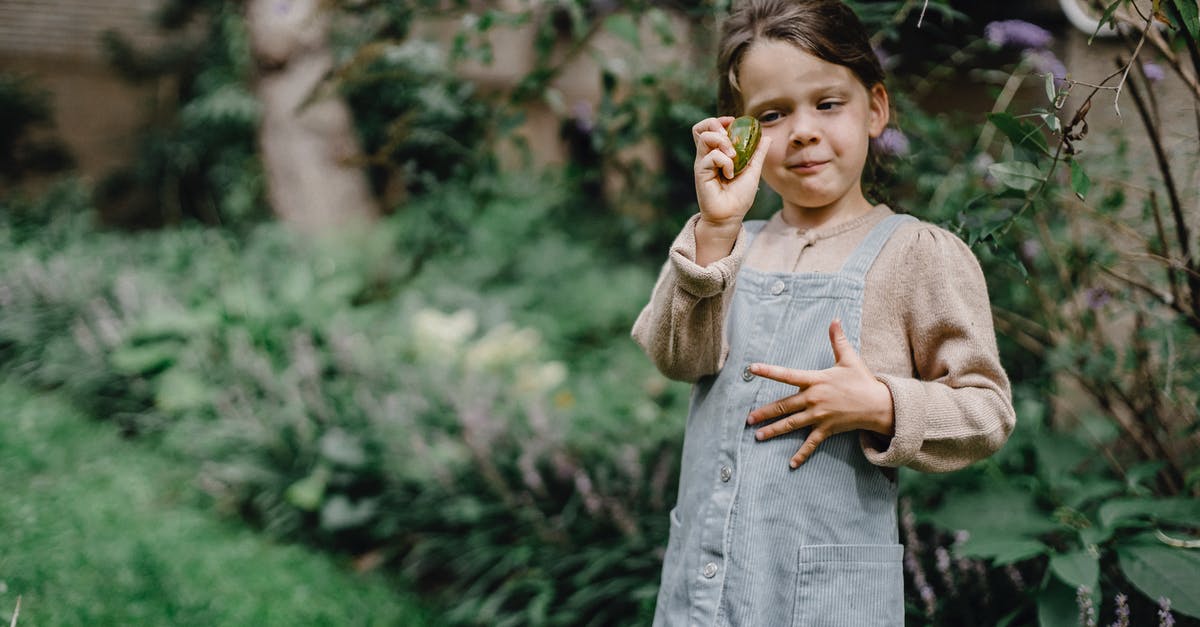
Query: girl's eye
828,105
769,116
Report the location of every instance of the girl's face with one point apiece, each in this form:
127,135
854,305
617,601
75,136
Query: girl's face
821,119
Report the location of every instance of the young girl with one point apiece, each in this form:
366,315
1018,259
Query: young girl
829,345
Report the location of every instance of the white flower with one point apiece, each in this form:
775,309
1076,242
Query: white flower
541,378
439,336
504,346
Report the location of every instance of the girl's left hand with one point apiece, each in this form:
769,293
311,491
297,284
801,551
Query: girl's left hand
843,398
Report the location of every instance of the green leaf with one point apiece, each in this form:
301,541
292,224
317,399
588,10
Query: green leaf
179,390
1052,122
1016,174
1080,183
1163,571
1059,456
1177,510
1136,475
1000,550
1020,133
623,26
1191,16
1106,18
1057,606
308,492
145,359
1000,513
1077,568
339,512
1090,489
1051,89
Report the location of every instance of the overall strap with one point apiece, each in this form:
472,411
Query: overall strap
861,259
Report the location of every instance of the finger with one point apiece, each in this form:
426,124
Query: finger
716,140
710,124
814,439
782,407
788,424
716,160
798,378
843,350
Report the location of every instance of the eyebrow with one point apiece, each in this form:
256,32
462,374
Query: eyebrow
836,89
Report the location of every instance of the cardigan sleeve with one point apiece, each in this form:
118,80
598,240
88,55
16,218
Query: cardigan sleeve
957,407
681,329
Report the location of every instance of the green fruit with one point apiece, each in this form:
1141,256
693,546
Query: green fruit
744,132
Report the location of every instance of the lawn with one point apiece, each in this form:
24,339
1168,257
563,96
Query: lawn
97,530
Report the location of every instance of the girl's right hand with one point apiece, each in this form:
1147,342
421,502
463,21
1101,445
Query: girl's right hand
724,200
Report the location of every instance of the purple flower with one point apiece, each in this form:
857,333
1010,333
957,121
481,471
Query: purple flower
1018,34
891,142
1097,297
584,115
1165,617
1122,611
1087,612
886,60
1044,62
1153,71
1030,249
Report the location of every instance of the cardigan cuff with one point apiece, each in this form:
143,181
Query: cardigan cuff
708,281
908,406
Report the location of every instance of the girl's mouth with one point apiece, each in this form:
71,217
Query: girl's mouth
807,167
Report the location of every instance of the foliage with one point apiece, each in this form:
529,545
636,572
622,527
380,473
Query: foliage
113,533
1091,274
197,158
24,111
322,391
450,396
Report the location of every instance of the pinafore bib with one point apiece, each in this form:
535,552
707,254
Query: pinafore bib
752,541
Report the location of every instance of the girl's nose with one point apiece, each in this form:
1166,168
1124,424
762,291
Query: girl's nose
802,132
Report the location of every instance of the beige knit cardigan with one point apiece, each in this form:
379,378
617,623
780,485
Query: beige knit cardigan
926,332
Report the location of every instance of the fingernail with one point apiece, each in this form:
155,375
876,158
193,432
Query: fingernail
793,464
759,435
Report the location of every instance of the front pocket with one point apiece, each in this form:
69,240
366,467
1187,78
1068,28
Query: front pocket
849,585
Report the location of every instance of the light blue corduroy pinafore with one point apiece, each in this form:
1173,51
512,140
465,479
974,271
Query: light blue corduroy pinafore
754,542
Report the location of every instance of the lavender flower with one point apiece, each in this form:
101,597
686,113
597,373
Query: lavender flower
891,142
1087,611
1097,297
1030,249
1044,62
1018,34
584,116
1165,617
1122,612
1014,575
886,60
943,566
1153,71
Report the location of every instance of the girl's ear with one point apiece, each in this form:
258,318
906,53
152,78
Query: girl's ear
881,110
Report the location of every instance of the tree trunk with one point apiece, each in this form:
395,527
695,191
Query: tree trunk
309,150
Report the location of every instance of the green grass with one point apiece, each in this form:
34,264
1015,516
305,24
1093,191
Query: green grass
96,530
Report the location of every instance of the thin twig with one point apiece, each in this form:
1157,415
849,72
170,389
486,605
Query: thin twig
1164,165
922,17
1125,74
16,612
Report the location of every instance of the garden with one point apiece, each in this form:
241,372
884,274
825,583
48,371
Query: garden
431,412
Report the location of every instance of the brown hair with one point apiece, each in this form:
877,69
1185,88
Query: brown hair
826,29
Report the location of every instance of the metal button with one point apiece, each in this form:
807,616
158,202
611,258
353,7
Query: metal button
710,570
746,374
777,288
726,473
